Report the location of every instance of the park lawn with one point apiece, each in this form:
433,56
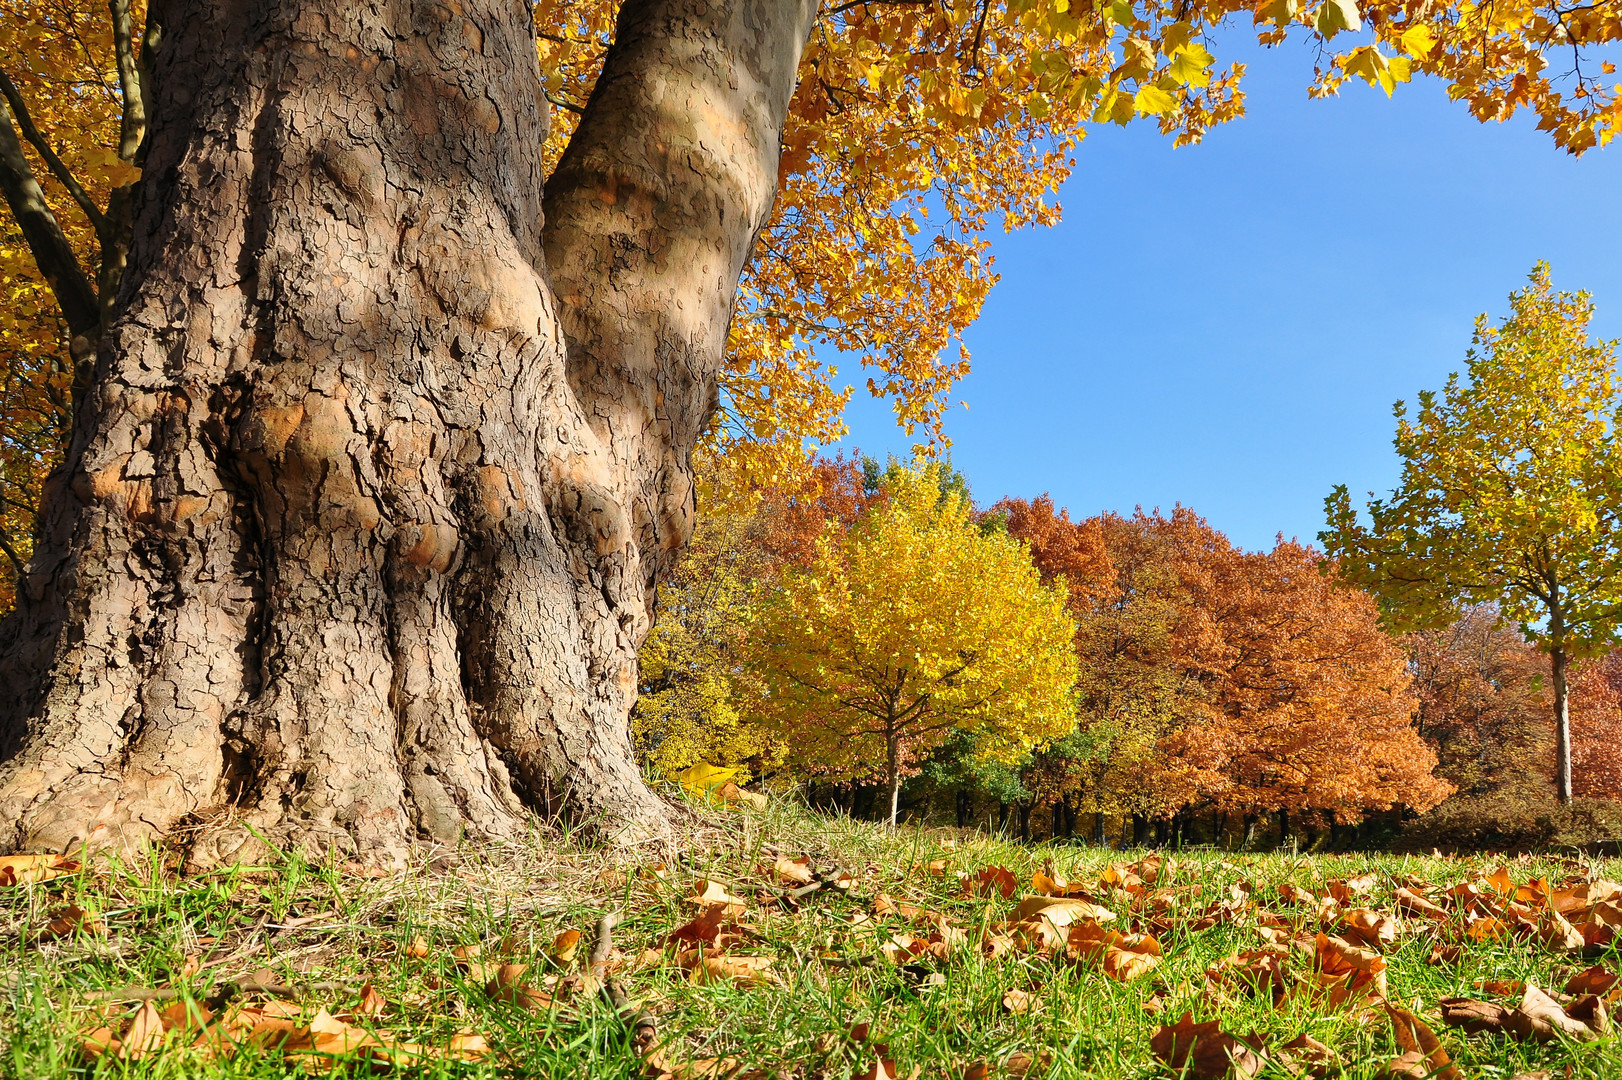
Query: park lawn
837,991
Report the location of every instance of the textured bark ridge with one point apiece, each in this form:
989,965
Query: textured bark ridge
356,539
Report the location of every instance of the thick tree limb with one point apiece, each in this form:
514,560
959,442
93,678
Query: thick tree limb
650,218
50,246
132,124
58,167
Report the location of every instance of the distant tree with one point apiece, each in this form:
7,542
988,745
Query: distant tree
693,690
1483,704
1596,727
1310,698
909,626
1511,494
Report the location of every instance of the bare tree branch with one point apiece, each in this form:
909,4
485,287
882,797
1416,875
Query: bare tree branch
58,167
52,252
132,123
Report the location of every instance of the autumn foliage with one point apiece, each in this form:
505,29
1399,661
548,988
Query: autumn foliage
1241,682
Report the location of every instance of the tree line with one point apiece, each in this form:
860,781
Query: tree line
871,626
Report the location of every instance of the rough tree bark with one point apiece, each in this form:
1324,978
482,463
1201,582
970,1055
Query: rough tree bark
356,537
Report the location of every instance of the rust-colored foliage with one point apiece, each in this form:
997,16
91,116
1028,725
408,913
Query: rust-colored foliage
1248,680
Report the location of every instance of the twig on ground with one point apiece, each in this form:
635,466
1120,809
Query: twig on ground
643,1030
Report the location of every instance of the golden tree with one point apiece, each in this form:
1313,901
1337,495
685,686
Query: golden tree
1511,494
912,625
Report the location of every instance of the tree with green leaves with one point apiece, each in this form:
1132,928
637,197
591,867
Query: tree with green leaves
1511,493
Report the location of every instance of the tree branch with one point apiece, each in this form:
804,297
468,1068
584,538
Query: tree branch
52,252
59,169
132,121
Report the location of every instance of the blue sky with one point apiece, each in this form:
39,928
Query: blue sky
1227,325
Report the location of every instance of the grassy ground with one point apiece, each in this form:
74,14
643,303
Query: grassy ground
324,933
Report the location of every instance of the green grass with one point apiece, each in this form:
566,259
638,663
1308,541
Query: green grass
519,898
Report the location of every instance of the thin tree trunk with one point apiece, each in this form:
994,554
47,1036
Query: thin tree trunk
356,537
1140,830
892,763
1025,820
1562,726
1250,831
965,807
1098,828
1283,827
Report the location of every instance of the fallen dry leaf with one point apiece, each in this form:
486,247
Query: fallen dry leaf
1017,1001
418,949
796,871
744,970
1415,1037
1204,1051
709,893
993,880
565,947
1541,1019
1370,927
372,1002
73,919
1306,1054
28,869
1412,902
1473,1016
1060,910
1594,980
144,1035
508,985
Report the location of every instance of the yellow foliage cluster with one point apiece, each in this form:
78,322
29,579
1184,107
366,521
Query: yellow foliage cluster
692,688
908,627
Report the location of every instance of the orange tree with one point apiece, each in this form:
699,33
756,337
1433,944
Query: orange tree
967,109
1216,677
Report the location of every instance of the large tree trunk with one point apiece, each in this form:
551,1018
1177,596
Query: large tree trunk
356,538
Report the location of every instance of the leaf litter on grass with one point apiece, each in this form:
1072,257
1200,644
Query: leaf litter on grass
1269,966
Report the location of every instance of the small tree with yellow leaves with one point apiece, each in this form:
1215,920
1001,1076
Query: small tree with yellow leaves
910,625
1511,494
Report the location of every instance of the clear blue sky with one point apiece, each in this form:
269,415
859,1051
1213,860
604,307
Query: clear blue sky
1227,325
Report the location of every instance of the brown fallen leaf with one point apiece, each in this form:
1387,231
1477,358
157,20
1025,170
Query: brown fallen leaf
1060,910
565,947
1445,955
882,1069
28,869
1254,970
1541,1019
1017,1001
1473,1016
508,985
372,1002
709,893
418,949
73,919
990,880
1557,934
744,970
1594,980
1121,956
144,1034
1412,902
1370,927
798,871
1204,1051
1020,1064
1414,1036
1306,1054
1485,928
